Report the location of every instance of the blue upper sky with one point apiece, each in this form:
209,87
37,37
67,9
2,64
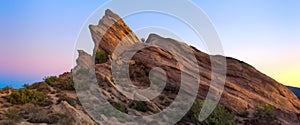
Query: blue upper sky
37,38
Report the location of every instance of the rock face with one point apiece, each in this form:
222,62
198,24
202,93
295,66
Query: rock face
110,32
245,87
80,118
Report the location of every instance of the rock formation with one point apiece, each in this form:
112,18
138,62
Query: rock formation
111,31
245,86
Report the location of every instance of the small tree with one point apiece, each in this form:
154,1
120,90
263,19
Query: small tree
220,116
101,57
143,40
265,114
51,79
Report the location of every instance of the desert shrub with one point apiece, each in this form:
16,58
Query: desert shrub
265,113
40,116
26,85
40,86
63,84
141,106
36,114
12,114
68,85
120,107
23,96
220,116
101,57
51,79
29,109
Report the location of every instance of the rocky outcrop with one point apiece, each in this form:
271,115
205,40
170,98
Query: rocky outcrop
245,87
79,117
111,32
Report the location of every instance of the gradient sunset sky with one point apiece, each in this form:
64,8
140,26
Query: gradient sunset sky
38,37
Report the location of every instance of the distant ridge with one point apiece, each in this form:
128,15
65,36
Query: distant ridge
295,90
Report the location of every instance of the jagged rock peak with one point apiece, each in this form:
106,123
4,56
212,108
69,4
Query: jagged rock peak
84,59
110,32
109,13
152,37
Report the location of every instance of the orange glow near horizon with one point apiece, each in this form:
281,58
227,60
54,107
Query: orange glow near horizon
289,76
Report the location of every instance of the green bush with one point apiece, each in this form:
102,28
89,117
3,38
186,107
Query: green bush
41,115
23,96
141,106
265,113
101,57
51,79
220,116
143,40
68,84
40,86
120,107
60,83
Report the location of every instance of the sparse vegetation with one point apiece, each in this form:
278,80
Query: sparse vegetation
40,86
60,83
68,84
265,114
220,116
51,79
23,96
12,113
143,40
35,114
101,57
141,106
120,107
43,116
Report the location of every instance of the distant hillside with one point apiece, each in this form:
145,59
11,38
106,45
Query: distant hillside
295,90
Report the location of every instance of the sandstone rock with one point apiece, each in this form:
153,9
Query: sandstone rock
80,118
245,87
110,32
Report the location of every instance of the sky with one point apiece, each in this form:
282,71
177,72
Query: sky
38,38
